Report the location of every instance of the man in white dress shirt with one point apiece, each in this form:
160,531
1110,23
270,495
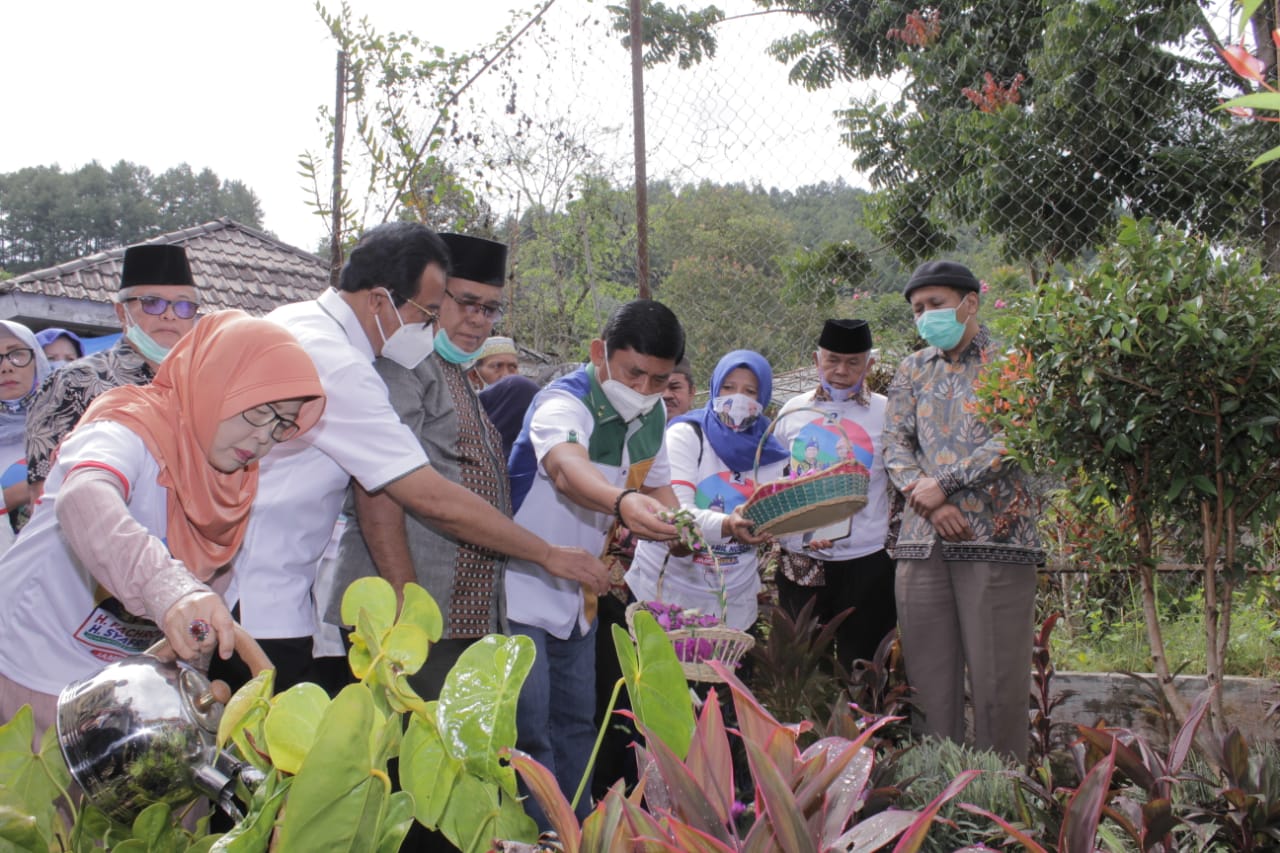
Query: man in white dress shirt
381,308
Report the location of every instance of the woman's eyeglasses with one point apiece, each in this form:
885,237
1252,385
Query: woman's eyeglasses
18,357
475,307
265,414
183,309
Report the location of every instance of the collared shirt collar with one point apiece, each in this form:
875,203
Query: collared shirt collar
981,343
332,303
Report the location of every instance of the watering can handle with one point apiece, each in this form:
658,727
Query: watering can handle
250,652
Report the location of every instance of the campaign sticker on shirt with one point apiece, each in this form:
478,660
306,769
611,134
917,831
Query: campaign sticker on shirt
723,492
825,441
111,633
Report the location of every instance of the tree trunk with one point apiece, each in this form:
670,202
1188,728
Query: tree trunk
1155,637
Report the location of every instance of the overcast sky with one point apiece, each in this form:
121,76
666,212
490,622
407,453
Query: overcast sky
233,86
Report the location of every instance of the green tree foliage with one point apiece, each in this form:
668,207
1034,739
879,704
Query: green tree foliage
1154,390
48,216
1038,123
572,268
1035,121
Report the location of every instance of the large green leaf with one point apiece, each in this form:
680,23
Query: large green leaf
399,820
427,771
247,706
253,833
471,820
373,595
420,610
476,714
291,724
656,683
35,780
406,646
18,830
339,798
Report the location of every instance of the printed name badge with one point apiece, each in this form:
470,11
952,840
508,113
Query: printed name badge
111,633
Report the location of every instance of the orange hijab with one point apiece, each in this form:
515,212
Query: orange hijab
229,363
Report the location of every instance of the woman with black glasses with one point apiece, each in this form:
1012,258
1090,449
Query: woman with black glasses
23,366
147,504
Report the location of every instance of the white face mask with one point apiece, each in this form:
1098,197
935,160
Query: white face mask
736,411
626,401
408,345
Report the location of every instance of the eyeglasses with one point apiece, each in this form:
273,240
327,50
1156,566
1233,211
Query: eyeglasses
476,308
183,309
18,357
284,428
432,316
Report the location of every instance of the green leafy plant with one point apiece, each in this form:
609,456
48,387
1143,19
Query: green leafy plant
1162,321
324,784
810,799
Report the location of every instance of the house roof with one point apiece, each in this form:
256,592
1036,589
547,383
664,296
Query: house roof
234,266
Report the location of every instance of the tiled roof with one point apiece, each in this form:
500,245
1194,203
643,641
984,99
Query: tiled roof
235,266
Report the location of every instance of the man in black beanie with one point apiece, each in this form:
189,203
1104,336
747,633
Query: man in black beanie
968,547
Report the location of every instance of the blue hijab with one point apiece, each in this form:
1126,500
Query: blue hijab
737,450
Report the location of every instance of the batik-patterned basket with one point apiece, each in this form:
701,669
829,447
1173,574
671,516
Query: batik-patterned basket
808,502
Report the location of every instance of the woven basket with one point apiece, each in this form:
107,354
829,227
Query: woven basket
702,645
785,507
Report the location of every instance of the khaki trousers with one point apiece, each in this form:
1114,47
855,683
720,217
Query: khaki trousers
979,615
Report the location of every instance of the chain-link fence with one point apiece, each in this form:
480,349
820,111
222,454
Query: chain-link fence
807,158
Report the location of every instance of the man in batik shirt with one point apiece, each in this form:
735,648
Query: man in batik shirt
156,306
968,547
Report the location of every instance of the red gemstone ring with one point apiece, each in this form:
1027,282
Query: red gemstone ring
200,630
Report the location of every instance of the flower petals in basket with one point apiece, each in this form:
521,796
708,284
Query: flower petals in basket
810,501
698,638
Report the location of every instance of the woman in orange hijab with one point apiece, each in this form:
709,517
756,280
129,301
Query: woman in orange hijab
146,504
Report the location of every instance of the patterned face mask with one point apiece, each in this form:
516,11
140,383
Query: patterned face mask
736,411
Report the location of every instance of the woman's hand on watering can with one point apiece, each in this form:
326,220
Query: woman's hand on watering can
197,622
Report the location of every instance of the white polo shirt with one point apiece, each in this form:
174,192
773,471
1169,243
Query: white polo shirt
303,482
535,597
839,431
59,625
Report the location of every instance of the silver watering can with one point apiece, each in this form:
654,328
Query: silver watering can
143,730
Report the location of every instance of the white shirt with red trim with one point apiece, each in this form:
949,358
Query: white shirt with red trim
534,597
839,432
58,624
706,485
